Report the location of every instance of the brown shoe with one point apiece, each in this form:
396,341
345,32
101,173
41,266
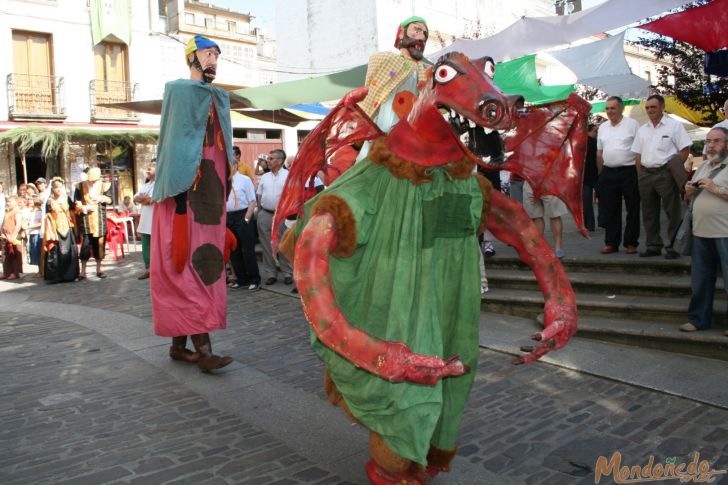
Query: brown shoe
143,276
270,281
688,327
631,250
183,355
609,249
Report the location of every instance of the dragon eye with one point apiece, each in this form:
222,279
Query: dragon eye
489,68
445,73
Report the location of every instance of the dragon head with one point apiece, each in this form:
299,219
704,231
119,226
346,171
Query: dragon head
462,89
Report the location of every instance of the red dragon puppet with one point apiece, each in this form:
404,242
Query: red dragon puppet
386,258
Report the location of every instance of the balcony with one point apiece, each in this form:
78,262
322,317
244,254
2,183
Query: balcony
103,92
35,98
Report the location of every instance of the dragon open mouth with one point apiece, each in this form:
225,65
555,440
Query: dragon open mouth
494,114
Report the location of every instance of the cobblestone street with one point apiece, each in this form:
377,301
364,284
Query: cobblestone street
90,397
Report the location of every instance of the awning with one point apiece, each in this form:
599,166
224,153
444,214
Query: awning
534,34
602,65
705,27
312,90
53,137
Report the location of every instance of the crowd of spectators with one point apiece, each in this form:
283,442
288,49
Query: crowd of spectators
643,167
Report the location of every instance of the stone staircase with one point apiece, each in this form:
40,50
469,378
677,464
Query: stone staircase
634,301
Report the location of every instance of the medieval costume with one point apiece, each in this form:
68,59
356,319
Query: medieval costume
188,287
386,259
91,198
11,245
60,261
389,74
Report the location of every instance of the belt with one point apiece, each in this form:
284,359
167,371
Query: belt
655,169
268,211
236,211
621,167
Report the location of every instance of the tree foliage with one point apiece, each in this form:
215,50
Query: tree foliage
685,78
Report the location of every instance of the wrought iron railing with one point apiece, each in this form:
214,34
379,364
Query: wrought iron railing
36,97
103,92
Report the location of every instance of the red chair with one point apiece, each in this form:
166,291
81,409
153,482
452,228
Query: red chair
115,238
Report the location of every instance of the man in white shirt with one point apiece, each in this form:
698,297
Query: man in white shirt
240,207
270,187
659,143
146,201
618,179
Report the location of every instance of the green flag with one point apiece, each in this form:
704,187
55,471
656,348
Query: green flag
111,21
519,77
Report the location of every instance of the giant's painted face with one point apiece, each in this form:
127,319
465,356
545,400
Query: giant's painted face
414,39
206,62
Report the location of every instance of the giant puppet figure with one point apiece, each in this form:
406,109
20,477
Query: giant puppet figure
386,258
187,282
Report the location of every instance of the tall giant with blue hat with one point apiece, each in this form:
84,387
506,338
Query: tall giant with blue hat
191,243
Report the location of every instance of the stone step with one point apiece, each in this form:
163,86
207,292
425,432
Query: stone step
603,283
709,343
655,309
620,264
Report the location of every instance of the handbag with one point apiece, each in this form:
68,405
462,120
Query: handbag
683,241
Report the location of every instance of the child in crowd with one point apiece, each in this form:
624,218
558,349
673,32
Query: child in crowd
10,240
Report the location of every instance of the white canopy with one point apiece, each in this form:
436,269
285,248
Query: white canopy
530,35
602,65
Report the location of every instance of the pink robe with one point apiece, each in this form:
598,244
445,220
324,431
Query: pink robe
193,301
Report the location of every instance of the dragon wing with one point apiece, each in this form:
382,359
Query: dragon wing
344,125
549,149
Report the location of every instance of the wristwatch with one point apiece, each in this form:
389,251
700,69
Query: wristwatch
721,191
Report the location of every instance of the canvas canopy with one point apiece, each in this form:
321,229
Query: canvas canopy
709,21
602,65
533,34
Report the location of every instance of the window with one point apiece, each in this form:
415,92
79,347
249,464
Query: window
648,75
231,26
33,79
190,18
110,84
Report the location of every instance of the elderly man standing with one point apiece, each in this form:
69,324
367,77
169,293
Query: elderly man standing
659,143
618,179
270,187
708,190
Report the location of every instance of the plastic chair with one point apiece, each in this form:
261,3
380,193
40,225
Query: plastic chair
115,238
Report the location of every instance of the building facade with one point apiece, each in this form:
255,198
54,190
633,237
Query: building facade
70,57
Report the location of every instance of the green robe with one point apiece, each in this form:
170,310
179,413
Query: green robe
414,277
